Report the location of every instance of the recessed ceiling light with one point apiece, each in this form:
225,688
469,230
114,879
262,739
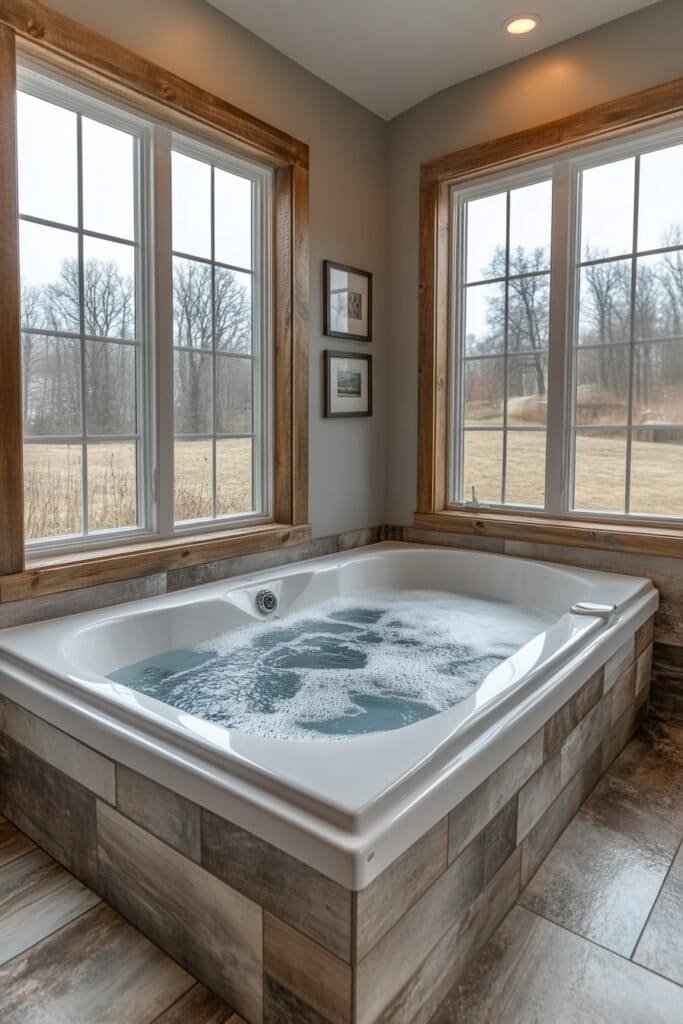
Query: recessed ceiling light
520,24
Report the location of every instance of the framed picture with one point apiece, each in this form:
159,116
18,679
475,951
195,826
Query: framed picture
347,302
348,384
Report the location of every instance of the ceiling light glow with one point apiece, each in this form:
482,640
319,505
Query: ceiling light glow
520,24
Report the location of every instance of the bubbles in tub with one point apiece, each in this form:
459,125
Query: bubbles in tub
350,666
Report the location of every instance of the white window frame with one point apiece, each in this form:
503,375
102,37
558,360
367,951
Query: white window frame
564,169
154,313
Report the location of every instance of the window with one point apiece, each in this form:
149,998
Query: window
132,427
567,334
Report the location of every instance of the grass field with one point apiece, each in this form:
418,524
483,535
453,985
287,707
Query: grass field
656,472
52,484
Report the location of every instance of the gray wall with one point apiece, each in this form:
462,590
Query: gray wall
624,56
348,206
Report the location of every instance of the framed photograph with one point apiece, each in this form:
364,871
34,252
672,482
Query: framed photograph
347,302
348,384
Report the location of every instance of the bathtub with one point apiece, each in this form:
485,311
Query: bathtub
348,808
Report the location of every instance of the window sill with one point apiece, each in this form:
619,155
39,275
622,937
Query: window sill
628,538
90,568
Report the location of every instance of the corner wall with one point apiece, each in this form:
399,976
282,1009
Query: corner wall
348,152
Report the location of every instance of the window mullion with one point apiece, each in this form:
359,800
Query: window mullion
563,248
162,265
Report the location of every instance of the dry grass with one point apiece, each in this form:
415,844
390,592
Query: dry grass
52,484
656,474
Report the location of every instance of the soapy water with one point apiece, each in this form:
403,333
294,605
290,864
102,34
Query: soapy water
349,666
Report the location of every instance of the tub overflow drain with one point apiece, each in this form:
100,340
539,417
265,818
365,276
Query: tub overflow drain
266,602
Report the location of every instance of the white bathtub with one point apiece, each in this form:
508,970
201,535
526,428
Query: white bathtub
346,808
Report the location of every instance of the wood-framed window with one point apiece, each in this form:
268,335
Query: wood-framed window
551,332
154,342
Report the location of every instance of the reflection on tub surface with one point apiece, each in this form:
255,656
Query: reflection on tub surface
351,665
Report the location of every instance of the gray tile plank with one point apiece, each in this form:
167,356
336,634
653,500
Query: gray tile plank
96,969
534,971
661,945
37,897
280,1006
159,810
212,930
287,888
13,843
199,1006
57,813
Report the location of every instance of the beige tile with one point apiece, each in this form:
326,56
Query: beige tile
166,814
400,886
288,888
476,810
199,1006
661,945
383,972
90,769
564,721
602,877
13,843
533,972
51,808
209,928
96,970
644,669
623,694
422,993
587,736
619,663
536,796
37,897
314,975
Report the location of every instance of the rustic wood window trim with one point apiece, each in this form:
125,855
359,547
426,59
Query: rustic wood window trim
31,28
647,108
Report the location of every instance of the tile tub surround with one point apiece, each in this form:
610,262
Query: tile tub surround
274,938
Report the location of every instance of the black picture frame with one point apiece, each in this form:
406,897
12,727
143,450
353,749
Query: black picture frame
331,399
329,316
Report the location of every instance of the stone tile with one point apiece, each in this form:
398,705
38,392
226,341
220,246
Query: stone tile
199,1006
661,945
623,694
602,877
37,897
650,770
321,980
75,759
289,889
564,721
644,669
96,969
85,599
536,796
280,1006
532,972
166,814
51,808
500,839
385,900
667,679
13,843
475,812
424,990
645,636
619,663
549,828
383,972
210,929
587,736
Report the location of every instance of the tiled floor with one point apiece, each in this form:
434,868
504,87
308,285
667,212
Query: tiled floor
597,936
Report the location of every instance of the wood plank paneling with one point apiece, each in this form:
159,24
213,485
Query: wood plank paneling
11,472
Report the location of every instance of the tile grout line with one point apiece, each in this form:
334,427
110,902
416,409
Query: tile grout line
599,945
655,901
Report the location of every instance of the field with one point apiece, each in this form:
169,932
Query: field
52,475
656,474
